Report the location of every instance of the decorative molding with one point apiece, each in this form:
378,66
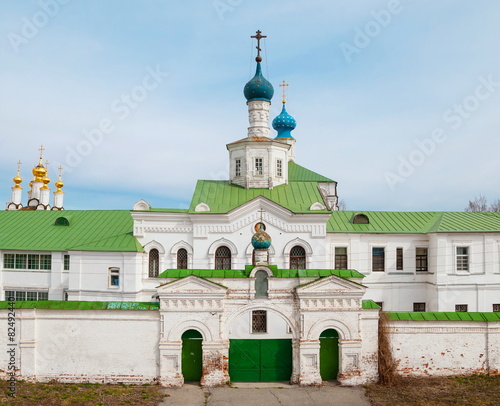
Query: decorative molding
202,207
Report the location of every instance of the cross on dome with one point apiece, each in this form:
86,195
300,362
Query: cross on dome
283,86
258,37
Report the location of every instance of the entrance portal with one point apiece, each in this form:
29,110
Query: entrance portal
191,355
329,354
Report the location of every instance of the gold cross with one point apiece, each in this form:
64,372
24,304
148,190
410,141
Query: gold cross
41,149
258,37
47,165
284,85
60,171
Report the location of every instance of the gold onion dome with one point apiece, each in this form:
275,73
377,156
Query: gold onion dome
59,184
17,180
39,172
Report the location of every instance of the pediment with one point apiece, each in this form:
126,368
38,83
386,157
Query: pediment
331,285
191,284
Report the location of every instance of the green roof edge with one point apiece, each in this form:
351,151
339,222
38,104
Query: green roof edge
444,316
80,305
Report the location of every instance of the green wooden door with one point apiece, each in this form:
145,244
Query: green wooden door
191,355
329,354
260,360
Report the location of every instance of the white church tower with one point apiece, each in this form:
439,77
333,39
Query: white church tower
259,161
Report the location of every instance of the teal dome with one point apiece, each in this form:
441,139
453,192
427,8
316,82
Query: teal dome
258,88
284,124
261,240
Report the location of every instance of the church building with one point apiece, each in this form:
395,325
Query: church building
262,277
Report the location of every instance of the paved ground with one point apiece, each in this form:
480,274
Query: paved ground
265,394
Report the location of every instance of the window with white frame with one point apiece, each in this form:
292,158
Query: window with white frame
419,307
237,167
421,259
154,263
279,168
496,307
114,277
378,259
27,261
463,259
26,295
461,308
259,321
340,257
66,262
259,166
399,259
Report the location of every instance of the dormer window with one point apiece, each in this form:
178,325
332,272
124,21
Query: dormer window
259,167
360,219
61,221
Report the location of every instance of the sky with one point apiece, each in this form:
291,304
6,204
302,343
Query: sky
396,100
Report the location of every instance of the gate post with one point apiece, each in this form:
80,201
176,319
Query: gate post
215,364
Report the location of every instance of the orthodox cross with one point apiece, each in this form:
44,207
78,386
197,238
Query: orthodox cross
41,149
47,165
60,171
284,85
258,37
19,163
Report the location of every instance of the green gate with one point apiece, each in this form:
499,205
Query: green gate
260,360
329,354
191,355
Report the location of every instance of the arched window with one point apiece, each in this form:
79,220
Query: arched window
360,218
297,257
154,263
223,258
261,284
182,259
61,221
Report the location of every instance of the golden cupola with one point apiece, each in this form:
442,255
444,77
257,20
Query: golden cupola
17,179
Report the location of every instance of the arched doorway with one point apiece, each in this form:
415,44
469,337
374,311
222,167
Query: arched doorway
329,354
191,355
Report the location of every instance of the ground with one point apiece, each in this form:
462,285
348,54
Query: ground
458,391
479,390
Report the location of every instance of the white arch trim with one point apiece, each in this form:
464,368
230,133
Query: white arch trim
154,244
298,241
322,325
179,245
261,306
261,268
220,243
175,333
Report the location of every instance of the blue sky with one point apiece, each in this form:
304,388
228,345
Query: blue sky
396,100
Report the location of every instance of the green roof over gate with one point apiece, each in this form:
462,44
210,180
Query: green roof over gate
414,222
89,230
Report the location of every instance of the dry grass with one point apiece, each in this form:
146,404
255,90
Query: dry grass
83,394
477,390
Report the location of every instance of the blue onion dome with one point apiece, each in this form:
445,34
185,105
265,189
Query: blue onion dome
258,88
261,240
284,124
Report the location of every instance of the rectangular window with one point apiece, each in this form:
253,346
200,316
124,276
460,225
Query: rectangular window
27,261
28,295
462,258
66,262
421,259
33,261
259,166
496,307
378,259
114,277
43,295
399,259
31,295
279,167
259,321
340,258
419,307
461,308
20,261
238,167
8,261
46,262
10,295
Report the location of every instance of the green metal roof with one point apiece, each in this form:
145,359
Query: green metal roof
278,273
444,316
297,173
414,222
222,197
79,305
89,230
370,304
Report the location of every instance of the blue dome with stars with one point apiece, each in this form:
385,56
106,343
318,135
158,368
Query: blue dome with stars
284,124
258,88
